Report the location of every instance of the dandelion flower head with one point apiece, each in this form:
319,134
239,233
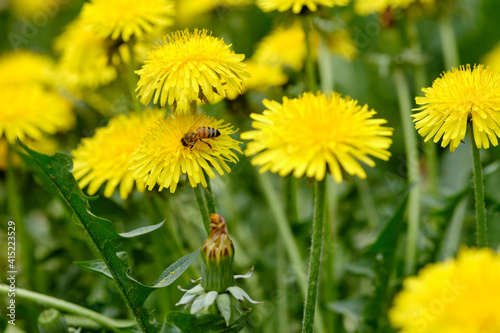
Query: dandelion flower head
455,98
297,5
31,112
124,19
85,59
189,67
315,134
105,156
285,47
492,58
263,76
366,7
25,67
162,158
456,296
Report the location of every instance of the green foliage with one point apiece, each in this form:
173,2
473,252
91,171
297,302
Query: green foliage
55,173
179,322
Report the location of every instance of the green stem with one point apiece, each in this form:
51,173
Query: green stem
65,306
482,240
411,148
209,197
291,199
203,208
327,81
282,300
448,42
310,70
315,257
133,78
286,235
24,240
420,80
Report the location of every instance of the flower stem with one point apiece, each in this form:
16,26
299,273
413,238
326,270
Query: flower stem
203,208
291,199
479,193
209,197
411,148
325,68
315,257
448,42
286,235
133,78
310,70
65,306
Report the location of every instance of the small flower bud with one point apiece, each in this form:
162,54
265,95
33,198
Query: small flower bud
218,256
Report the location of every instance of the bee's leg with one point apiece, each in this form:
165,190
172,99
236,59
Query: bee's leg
192,145
208,144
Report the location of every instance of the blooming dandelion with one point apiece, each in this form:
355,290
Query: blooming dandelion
105,156
190,67
85,59
24,67
263,76
315,134
126,19
367,7
459,295
31,111
297,5
456,98
162,157
285,47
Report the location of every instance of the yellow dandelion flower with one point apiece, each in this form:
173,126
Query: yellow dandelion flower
31,111
25,67
31,9
366,7
341,43
297,5
105,156
314,134
188,10
454,99
263,76
492,58
456,296
162,158
285,47
189,67
123,19
85,57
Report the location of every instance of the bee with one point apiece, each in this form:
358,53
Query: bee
190,138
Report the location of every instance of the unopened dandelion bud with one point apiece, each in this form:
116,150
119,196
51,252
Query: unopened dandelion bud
51,321
218,257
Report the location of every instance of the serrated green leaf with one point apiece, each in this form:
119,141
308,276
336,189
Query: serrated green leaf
203,323
94,266
55,173
141,231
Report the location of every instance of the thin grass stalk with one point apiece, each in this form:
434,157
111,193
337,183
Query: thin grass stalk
448,42
202,206
411,149
310,70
